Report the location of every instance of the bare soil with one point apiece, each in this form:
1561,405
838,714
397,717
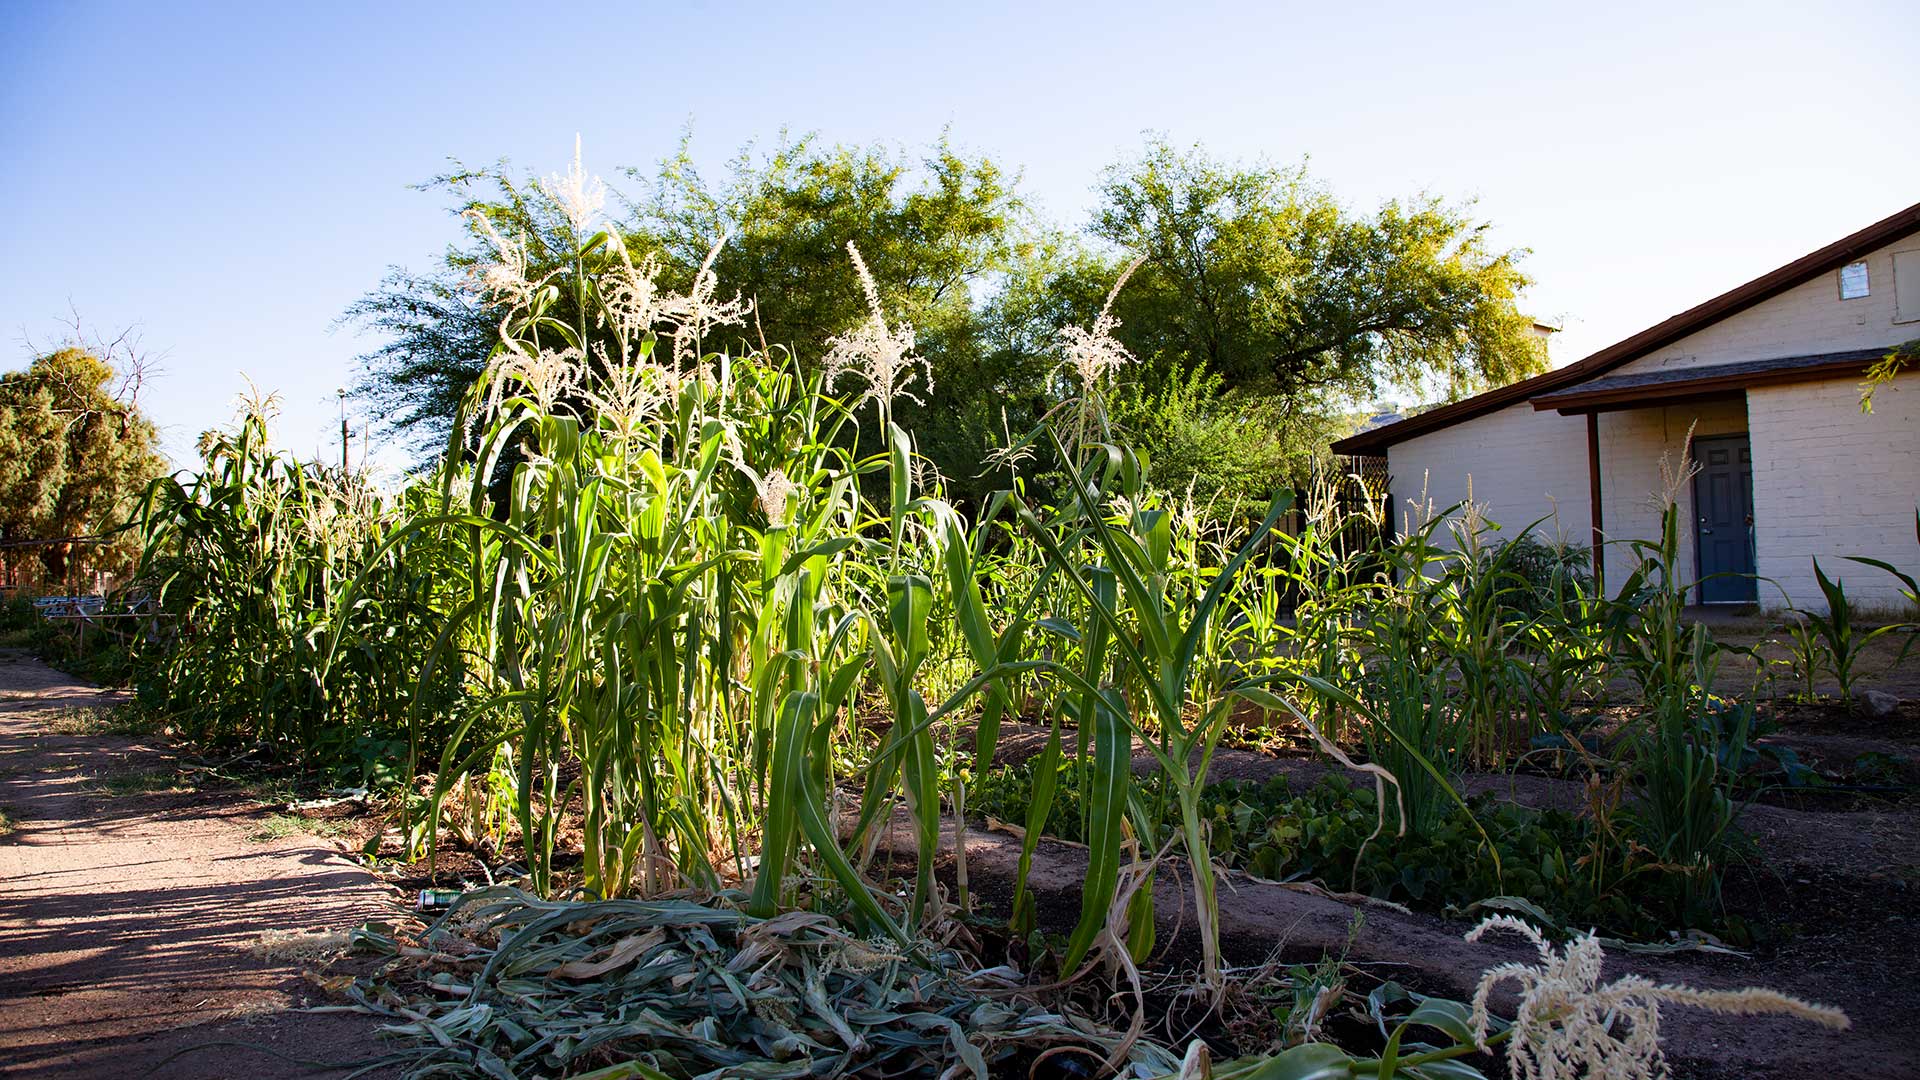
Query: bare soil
132,909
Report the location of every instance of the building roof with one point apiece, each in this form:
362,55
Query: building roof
1629,391
1765,287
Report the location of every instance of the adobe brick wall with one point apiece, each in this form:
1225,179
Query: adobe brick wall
1829,481
1520,464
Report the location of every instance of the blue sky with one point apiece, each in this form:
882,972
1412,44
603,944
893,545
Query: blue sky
228,178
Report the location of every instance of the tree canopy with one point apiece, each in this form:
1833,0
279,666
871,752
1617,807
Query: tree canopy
1263,305
1299,310
1259,275
73,456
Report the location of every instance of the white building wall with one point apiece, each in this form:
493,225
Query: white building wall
1830,481
1521,464
1827,480
1805,320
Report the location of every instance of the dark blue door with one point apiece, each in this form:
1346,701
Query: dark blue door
1723,505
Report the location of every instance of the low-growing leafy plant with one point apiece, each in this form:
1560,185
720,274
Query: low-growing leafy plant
1806,653
1546,574
1876,767
1325,834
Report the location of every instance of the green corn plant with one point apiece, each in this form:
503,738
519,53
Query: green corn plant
658,601
1646,621
1910,588
988,649
1843,641
610,595
1478,625
1910,592
245,558
1566,649
1681,765
1153,667
1329,594
1806,652
1686,814
1409,716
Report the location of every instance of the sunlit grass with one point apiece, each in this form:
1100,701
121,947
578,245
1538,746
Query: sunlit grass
129,782
124,720
284,826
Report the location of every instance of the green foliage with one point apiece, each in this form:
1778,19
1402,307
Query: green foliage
1684,757
1264,306
73,457
1325,834
1259,275
669,599
1834,640
1544,575
1150,635
1886,369
1877,767
247,559
934,232
1227,451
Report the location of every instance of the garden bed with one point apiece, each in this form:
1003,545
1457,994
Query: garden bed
1818,916
1816,885
1826,870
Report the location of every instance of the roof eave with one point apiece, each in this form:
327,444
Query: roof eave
1575,402
1731,302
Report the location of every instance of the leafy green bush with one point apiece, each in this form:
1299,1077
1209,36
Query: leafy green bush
18,623
1542,575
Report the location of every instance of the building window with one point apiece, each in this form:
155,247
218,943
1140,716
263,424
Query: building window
1906,286
1853,281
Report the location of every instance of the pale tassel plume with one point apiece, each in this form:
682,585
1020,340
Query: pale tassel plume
1571,1027
880,354
699,310
1092,354
578,195
545,377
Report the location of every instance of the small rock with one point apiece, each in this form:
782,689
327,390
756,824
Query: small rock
1875,704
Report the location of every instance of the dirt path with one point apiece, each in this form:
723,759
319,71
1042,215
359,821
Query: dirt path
131,912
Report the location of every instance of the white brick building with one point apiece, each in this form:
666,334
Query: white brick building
1767,377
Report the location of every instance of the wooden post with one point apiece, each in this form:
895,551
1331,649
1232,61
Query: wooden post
1593,498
